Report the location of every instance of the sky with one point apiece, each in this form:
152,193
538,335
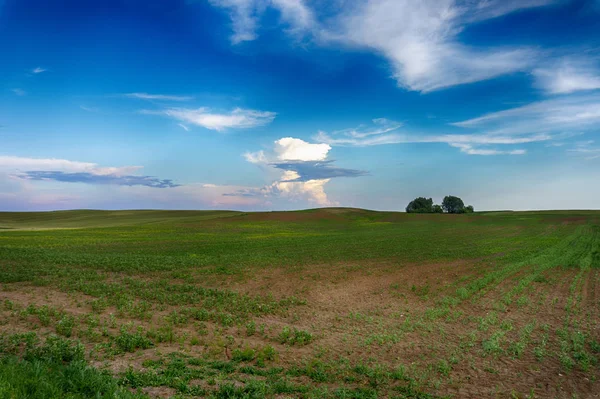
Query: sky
294,104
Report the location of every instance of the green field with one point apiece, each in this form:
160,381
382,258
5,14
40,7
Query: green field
329,303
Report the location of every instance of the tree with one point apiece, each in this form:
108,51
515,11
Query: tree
452,204
469,209
437,209
420,205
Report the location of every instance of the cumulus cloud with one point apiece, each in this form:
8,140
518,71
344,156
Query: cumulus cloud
63,170
257,157
304,171
568,76
312,191
164,97
291,149
238,118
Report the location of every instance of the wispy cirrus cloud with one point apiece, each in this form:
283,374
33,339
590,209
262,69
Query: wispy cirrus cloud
586,149
469,149
89,109
246,15
563,115
163,97
19,92
553,120
385,131
568,76
238,118
37,70
420,39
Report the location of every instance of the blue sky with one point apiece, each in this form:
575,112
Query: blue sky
290,104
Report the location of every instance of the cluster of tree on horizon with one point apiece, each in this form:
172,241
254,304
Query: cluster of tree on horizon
450,204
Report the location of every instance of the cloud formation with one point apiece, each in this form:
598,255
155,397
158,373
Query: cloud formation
164,97
91,178
586,149
304,171
384,131
420,39
246,14
19,92
38,70
563,115
19,164
291,149
568,76
238,118
310,170
62,170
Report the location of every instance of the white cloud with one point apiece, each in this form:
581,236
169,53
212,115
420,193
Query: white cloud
164,97
257,157
419,38
289,184
568,76
184,127
487,9
245,16
586,149
38,70
292,149
19,92
296,14
563,115
237,119
363,137
21,164
469,149
89,109
312,190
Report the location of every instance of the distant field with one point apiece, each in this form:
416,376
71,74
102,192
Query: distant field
329,303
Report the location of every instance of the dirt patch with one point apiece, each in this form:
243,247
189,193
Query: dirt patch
25,294
159,392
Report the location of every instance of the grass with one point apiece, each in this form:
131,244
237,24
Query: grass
331,303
